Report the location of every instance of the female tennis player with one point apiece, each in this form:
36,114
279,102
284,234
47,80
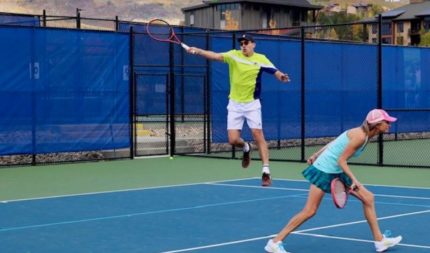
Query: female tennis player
331,162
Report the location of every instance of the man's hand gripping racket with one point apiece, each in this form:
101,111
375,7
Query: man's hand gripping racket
160,30
340,192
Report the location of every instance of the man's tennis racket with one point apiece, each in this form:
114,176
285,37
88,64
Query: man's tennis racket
160,30
340,192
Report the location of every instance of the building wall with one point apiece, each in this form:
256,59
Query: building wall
202,17
247,16
272,17
407,27
396,33
401,37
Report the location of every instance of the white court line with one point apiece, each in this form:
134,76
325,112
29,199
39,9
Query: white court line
259,187
124,190
303,232
359,240
199,183
300,189
364,221
128,215
378,185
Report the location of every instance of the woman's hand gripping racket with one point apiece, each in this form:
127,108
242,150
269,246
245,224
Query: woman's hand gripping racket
160,30
340,192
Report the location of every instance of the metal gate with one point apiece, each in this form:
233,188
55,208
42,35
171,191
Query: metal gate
170,114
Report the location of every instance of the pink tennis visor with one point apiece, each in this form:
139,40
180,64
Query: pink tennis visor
378,115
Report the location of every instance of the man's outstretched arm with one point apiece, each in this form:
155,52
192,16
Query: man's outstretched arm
206,53
282,77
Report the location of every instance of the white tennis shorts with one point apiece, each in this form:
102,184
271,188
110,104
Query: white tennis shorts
238,112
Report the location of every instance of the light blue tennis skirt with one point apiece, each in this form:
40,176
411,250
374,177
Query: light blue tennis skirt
323,180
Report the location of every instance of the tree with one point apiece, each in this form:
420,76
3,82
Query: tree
343,32
425,39
375,10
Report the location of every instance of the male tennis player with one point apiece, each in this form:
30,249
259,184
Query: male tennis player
245,69
331,162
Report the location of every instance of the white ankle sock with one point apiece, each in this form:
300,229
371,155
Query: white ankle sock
266,169
246,147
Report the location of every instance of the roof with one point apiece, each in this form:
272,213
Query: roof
409,12
392,13
357,5
294,3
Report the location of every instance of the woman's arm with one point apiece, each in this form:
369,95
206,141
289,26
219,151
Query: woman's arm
313,157
357,139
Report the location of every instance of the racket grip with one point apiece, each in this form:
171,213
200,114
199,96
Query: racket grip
186,47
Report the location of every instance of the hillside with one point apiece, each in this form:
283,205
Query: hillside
135,10
390,4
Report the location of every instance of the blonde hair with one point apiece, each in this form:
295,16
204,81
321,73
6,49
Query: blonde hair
365,126
368,127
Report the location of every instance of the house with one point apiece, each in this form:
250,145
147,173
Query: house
332,7
250,14
403,25
360,9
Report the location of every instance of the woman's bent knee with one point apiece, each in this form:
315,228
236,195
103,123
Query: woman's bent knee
368,199
309,212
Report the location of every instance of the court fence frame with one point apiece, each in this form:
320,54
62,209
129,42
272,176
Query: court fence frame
175,121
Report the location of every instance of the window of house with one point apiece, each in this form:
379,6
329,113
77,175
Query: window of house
266,16
386,28
399,40
415,26
296,17
374,28
386,40
222,8
264,21
192,19
400,27
427,25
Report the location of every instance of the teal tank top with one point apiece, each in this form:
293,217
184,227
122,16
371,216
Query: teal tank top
327,160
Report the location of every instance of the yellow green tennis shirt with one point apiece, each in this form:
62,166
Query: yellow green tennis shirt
245,74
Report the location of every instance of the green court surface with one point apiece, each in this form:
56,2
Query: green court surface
400,153
63,179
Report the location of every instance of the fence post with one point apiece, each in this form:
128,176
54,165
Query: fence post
172,99
379,90
78,18
116,24
132,82
208,98
44,18
302,94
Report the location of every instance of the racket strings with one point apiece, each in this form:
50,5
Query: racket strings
340,193
160,30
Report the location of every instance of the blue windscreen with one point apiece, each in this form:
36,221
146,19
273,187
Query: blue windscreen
16,121
67,90
341,86
21,20
153,69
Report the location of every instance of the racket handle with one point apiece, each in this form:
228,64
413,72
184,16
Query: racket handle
186,47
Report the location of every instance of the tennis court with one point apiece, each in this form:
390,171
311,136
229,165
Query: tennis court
191,204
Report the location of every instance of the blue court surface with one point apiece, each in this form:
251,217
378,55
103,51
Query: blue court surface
211,217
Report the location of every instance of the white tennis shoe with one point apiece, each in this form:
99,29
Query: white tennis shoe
387,242
275,247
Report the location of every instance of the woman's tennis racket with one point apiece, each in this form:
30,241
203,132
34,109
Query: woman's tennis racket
339,193
160,30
